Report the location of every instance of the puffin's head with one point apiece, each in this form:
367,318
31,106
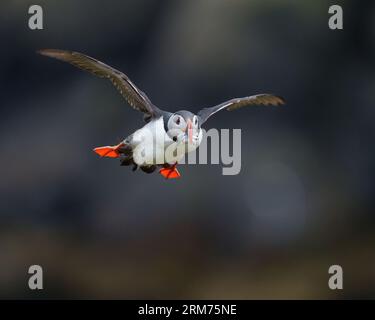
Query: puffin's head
183,126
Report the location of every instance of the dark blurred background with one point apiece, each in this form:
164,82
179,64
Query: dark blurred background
302,202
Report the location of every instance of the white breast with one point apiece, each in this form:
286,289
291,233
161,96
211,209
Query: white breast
152,145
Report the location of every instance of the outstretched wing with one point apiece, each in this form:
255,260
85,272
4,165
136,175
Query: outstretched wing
135,97
259,99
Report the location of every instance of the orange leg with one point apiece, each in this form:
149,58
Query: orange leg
108,151
170,172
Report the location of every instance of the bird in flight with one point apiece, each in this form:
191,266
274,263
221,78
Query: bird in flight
166,137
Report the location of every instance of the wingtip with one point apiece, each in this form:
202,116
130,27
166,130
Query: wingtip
282,101
52,53
44,52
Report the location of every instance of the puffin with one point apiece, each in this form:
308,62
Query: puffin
167,136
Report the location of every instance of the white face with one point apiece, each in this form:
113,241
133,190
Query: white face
183,130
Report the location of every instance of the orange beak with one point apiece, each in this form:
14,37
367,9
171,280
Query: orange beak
190,130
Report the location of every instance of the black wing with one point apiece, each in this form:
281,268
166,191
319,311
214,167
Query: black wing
259,99
135,97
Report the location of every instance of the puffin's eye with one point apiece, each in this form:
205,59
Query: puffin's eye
174,138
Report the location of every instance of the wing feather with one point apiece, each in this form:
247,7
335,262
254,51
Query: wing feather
135,97
264,99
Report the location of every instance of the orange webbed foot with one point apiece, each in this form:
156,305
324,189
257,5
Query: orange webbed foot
109,151
170,173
